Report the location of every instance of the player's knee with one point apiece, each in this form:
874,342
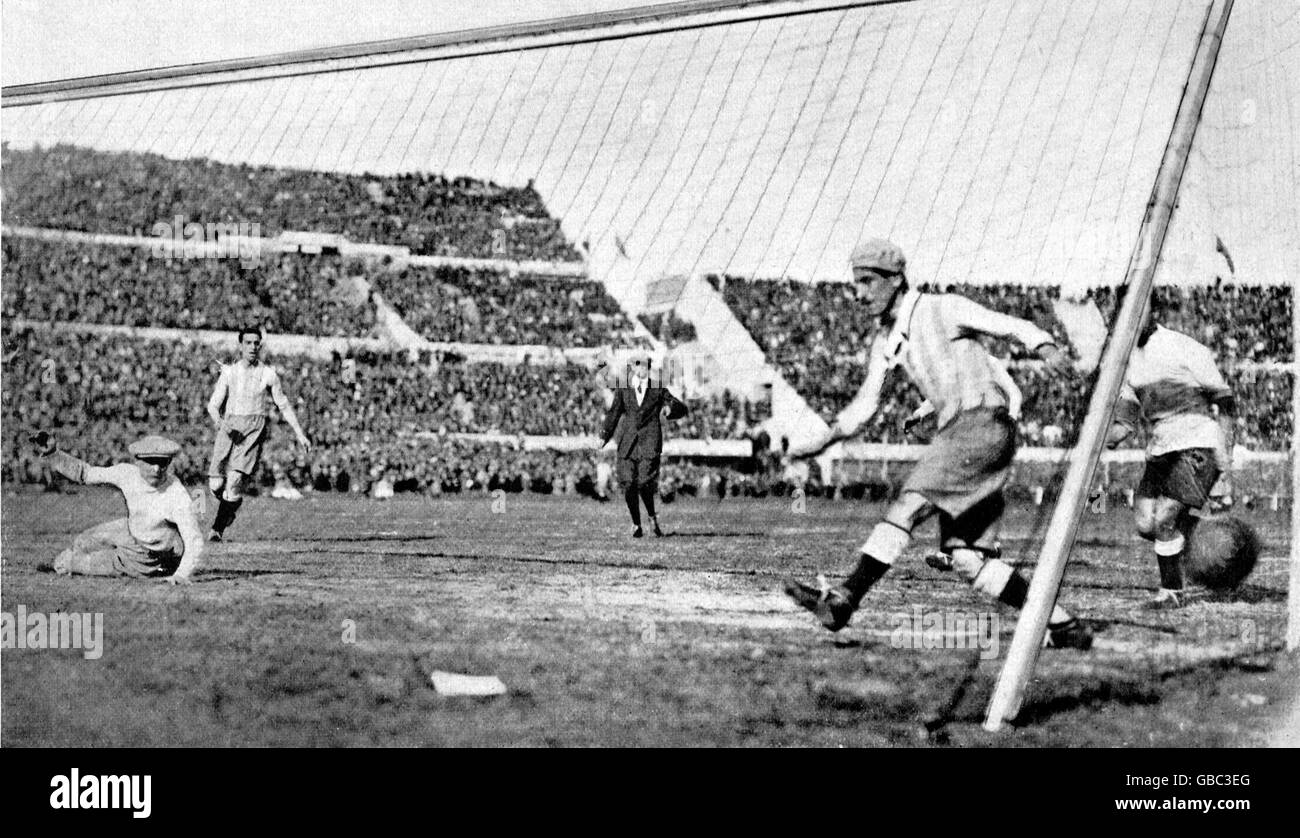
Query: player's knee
1160,524
908,511
967,562
234,487
1147,523
216,484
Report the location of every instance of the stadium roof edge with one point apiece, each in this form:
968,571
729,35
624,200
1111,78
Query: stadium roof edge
136,81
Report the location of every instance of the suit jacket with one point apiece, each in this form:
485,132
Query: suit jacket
638,426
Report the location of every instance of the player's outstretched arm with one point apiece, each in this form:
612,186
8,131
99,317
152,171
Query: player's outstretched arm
1200,362
76,470
217,401
192,537
674,408
286,410
612,415
858,411
970,316
1128,414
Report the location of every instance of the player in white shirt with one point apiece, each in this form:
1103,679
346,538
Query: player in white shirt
238,408
961,474
1174,387
160,535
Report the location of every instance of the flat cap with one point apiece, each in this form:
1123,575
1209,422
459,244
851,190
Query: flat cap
154,448
880,255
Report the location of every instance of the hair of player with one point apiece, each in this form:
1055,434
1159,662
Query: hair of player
248,330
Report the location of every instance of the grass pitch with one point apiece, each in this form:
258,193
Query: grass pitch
319,622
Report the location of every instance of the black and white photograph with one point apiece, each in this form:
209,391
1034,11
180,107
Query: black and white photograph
882,374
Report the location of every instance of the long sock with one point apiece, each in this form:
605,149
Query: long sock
866,574
881,549
648,498
1013,590
633,506
226,510
1169,554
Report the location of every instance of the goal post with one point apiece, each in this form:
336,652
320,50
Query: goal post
1293,594
1140,277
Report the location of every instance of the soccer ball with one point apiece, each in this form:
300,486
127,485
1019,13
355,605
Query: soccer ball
1221,553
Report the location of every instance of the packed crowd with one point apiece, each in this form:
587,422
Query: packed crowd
74,188
1239,322
723,416
100,392
130,286
818,336
482,306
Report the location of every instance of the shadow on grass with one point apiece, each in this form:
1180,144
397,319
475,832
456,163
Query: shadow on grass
224,575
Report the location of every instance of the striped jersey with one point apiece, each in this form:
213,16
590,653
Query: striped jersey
242,390
935,340
1171,383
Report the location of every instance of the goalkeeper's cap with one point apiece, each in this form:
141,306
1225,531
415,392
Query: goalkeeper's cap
154,448
878,255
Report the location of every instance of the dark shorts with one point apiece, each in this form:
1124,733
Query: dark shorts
238,446
638,472
1185,476
967,464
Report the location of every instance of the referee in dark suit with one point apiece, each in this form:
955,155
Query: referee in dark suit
636,418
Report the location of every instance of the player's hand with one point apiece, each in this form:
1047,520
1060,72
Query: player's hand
1056,362
43,441
1118,433
305,443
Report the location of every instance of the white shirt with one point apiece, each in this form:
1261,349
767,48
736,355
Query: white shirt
244,389
640,391
934,340
155,516
1173,380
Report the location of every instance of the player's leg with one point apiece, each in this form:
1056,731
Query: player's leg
93,552
968,462
834,606
971,540
1172,485
648,488
245,453
228,503
627,478
218,467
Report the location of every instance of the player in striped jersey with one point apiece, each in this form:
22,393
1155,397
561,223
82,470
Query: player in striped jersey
238,408
1174,385
961,474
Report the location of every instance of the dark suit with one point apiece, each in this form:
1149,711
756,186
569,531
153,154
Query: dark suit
639,429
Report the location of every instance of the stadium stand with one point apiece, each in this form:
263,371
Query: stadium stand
75,188
482,306
65,281
818,339
100,392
